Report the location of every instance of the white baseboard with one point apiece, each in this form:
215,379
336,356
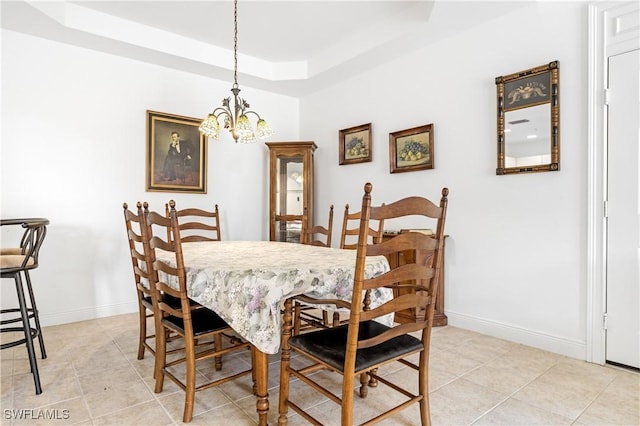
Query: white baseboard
560,345
88,313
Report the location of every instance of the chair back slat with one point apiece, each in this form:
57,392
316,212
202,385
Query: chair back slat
315,235
282,225
351,230
197,224
169,275
134,226
420,272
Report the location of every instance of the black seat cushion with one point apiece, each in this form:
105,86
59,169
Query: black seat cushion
329,345
203,321
172,301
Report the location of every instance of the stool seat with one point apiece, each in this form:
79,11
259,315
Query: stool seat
14,263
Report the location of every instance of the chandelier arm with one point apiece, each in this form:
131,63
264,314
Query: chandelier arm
252,112
221,110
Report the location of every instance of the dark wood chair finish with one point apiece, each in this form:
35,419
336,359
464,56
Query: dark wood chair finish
193,323
363,345
198,224
308,316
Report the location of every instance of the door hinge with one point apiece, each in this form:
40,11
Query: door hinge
605,321
607,94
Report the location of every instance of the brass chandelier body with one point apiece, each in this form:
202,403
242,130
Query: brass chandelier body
234,109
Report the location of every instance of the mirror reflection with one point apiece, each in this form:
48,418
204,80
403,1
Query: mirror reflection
527,136
529,120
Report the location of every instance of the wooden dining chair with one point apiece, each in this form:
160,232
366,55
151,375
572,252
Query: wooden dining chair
308,316
351,230
133,225
197,224
349,241
194,324
364,344
318,235
284,231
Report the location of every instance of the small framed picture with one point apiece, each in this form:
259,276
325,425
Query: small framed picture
411,149
355,144
176,154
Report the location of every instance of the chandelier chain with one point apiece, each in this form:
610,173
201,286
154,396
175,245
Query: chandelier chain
235,43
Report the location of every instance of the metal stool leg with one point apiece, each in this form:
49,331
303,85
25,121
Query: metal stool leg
27,333
36,316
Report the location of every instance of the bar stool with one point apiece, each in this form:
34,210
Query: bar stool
13,263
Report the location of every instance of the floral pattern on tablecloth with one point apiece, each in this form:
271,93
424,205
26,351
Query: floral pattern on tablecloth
246,282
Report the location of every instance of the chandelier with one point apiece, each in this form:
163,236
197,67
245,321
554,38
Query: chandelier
234,111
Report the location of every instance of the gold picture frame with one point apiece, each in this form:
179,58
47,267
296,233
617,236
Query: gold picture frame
411,149
355,144
176,158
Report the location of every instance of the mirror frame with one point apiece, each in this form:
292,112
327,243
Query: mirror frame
531,78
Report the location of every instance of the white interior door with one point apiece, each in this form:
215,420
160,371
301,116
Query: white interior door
623,206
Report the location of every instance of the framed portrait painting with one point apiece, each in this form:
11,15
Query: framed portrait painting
355,144
176,154
411,149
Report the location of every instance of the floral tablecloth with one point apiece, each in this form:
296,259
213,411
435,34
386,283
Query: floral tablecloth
247,282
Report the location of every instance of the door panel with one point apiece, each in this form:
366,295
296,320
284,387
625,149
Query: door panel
623,223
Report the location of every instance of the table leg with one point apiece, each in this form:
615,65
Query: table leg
261,368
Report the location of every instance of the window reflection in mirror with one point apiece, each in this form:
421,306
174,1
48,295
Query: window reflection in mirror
528,120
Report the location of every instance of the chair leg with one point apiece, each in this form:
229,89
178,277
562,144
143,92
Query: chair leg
285,356
142,319
36,316
190,382
423,388
336,318
364,390
161,356
372,380
217,341
27,333
296,319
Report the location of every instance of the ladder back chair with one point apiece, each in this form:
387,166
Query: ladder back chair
308,316
315,235
192,323
349,241
284,230
141,272
364,344
351,230
197,224
15,262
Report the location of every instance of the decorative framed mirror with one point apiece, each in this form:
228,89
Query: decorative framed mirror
529,120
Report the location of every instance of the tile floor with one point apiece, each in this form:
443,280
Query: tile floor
92,377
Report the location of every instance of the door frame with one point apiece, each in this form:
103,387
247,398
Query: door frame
611,32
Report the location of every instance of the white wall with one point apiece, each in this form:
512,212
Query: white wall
73,150
73,141
515,259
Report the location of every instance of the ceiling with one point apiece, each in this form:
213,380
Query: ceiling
290,47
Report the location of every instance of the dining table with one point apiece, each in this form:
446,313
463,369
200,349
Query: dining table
247,282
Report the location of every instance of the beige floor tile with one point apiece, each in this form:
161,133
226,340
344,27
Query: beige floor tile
53,390
92,370
600,413
116,398
462,402
67,412
514,412
148,413
205,400
453,363
226,414
106,379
